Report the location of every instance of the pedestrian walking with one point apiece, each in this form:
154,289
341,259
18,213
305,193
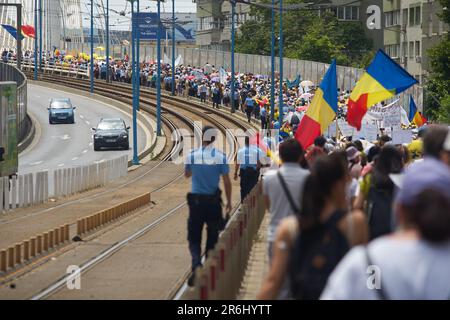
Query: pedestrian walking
248,165
249,105
206,165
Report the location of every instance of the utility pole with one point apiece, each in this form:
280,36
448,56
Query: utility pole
280,96
173,47
233,13
272,60
158,76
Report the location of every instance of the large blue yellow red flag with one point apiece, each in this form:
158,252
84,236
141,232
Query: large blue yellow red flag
322,110
27,31
383,79
414,115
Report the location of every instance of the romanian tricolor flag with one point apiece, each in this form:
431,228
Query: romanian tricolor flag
27,31
322,110
383,79
414,115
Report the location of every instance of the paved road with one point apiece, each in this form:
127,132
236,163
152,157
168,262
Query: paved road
68,145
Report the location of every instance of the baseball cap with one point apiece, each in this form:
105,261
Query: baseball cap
427,174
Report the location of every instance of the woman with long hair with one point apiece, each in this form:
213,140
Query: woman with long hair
324,205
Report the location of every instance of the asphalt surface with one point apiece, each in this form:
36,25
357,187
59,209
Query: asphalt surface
68,145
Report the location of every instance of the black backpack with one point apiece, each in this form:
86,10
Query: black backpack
379,211
315,254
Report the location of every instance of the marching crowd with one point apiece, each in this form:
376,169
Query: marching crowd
349,219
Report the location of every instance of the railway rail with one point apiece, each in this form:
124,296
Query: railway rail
176,115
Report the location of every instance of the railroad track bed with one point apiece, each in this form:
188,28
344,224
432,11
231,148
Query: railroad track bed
162,224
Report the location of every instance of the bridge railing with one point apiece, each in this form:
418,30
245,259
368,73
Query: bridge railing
11,73
34,188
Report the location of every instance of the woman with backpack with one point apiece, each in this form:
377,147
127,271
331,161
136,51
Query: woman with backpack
413,262
310,244
376,191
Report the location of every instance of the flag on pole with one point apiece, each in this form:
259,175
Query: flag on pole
28,31
383,79
322,110
12,31
414,115
223,76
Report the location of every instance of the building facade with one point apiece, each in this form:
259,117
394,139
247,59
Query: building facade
214,19
411,28
61,23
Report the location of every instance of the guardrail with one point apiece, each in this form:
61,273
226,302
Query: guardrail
222,273
62,70
33,188
11,73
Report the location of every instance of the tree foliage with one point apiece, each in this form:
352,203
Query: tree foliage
307,36
437,99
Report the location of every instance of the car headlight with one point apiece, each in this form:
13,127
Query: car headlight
124,136
96,137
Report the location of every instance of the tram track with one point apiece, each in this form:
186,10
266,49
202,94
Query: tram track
178,113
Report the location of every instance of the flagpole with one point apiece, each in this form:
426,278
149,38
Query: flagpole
35,40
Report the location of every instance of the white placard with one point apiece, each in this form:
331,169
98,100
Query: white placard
400,136
331,132
345,128
368,132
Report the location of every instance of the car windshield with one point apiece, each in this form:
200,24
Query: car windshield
60,105
110,125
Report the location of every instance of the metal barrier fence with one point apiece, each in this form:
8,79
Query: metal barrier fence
256,64
33,188
11,73
221,275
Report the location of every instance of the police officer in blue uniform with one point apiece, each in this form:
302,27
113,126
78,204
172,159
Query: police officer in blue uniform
248,164
206,165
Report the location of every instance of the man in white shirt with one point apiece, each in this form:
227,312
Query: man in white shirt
294,177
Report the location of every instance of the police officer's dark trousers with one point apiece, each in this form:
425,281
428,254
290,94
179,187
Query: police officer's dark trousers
203,209
249,179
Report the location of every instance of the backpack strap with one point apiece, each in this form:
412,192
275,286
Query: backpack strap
287,193
380,292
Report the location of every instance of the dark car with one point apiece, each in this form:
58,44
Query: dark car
111,133
61,111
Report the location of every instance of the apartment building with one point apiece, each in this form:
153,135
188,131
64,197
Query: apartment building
411,28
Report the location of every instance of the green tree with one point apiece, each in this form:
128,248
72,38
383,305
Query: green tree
437,94
307,36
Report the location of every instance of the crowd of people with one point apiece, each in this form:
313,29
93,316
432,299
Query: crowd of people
349,218
388,238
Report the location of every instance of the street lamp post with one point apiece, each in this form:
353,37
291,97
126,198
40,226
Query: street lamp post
19,28
158,76
92,49
107,40
280,96
135,160
173,47
35,39
272,57
40,34
233,10
138,49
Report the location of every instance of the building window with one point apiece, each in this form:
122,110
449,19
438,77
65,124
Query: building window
414,16
349,13
405,17
393,50
411,49
417,48
392,18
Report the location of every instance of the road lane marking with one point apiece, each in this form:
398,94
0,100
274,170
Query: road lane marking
85,151
81,116
100,161
87,122
90,144
61,165
74,158
36,163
